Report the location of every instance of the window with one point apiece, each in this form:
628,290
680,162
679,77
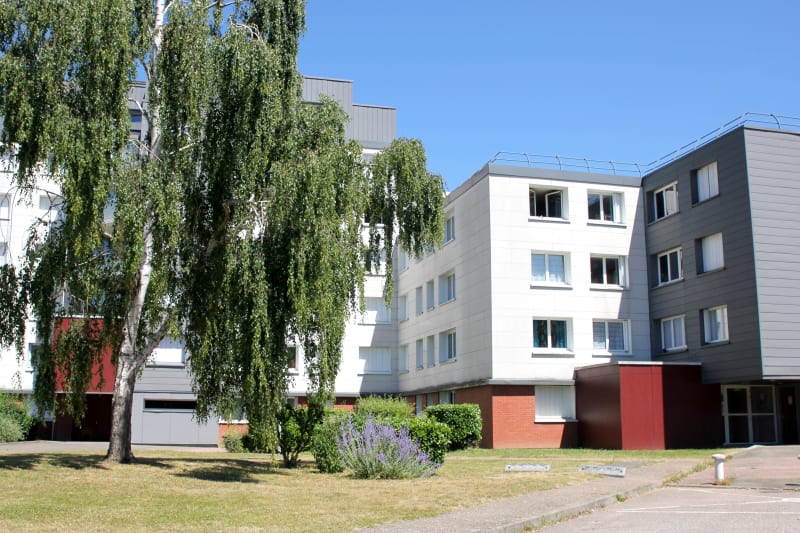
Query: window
546,203
3,254
5,207
447,287
431,350
430,399
610,336
706,183
548,268
710,253
449,229
429,295
402,358
402,308
420,361
376,311
550,334
447,397
170,405
715,324
402,260
169,352
418,404
418,300
554,403
749,414
670,266
291,358
607,271
376,360
605,207
673,333
447,346
665,201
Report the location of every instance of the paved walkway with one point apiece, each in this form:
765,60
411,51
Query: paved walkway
774,467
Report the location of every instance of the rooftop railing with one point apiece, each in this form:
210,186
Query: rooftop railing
781,122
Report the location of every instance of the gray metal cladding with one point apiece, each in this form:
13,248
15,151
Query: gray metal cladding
773,162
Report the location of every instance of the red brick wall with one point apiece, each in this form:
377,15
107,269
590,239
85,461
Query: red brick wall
514,408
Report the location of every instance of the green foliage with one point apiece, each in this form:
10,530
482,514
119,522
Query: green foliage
237,214
379,451
9,429
323,445
433,437
384,407
296,432
233,441
464,421
15,419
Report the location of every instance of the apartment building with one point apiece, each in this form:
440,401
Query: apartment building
541,271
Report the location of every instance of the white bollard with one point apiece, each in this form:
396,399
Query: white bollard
719,468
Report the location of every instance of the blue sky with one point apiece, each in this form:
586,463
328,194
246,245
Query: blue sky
622,80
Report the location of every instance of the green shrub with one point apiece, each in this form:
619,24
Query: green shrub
296,431
433,437
382,408
17,412
233,441
9,429
323,445
464,421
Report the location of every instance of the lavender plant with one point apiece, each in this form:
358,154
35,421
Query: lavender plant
381,452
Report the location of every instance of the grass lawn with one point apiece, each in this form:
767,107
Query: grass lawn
170,490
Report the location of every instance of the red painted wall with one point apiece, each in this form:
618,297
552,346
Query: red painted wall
597,402
483,397
103,371
642,407
692,410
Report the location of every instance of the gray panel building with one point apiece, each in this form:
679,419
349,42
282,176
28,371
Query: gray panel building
724,271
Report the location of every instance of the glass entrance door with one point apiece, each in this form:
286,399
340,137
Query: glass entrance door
749,412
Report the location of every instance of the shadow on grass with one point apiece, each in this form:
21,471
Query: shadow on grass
220,469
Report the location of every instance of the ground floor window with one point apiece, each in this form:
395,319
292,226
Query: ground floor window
749,412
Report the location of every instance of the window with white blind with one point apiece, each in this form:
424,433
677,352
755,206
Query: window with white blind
610,336
419,354
673,333
430,349
554,403
376,311
5,207
706,182
429,295
375,359
402,358
418,300
402,307
447,287
447,346
715,324
549,268
711,253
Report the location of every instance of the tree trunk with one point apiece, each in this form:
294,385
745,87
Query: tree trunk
119,446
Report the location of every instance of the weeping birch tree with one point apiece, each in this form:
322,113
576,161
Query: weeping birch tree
237,221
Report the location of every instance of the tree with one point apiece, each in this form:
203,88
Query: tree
237,222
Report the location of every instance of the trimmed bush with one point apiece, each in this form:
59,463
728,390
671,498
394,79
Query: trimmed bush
389,407
16,412
433,436
296,432
464,421
381,452
233,441
323,445
9,429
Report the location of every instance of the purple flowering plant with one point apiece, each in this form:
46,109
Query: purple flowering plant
381,452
